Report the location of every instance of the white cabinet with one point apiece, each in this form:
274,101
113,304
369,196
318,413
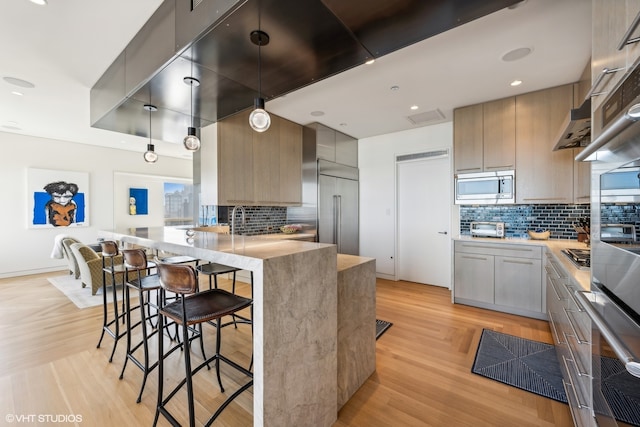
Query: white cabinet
499,276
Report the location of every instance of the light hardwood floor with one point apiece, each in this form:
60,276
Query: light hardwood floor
50,366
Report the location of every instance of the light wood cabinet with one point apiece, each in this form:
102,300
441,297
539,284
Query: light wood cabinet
474,276
467,139
610,21
543,175
499,276
518,283
251,168
571,329
484,136
499,134
581,180
235,161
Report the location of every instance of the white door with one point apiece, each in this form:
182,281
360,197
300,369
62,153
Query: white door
424,220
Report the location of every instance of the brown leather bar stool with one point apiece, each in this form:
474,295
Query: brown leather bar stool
136,266
115,269
213,269
195,309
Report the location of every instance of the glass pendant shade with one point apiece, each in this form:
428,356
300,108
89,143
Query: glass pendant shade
150,156
191,141
259,119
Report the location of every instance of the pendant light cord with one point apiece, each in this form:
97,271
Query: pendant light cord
192,89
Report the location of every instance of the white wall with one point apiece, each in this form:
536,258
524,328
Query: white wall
26,250
376,160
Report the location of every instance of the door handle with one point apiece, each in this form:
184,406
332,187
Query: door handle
442,232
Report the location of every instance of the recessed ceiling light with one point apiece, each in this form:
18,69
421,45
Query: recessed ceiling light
394,88
414,107
317,113
15,92
39,2
515,54
370,61
516,83
19,82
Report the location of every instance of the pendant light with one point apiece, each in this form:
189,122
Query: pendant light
259,119
150,156
191,141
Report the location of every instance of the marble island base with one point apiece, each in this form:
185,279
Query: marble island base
314,319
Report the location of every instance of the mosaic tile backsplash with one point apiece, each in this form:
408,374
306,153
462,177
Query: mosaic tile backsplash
259,219
558,219
620,214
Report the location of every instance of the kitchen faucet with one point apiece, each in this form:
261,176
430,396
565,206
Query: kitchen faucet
233,218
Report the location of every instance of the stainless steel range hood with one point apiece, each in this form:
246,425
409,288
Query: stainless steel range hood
576,128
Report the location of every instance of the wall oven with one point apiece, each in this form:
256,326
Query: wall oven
613,305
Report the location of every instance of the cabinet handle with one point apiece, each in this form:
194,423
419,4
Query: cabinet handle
474,257
555,291
544,198
512,261
493,247
468,169
573,327
626,39
553,325
499,167
571,291
573,388
581,372
605,71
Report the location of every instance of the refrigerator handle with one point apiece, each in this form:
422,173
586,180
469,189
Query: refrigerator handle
335,219
339,224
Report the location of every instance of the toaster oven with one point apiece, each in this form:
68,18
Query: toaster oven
487,229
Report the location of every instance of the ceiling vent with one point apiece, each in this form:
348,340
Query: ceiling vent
427,118
195,3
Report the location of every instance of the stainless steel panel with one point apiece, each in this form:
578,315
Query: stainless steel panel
326,142
338,213
346,150
151,48
190,24
109,90
337,170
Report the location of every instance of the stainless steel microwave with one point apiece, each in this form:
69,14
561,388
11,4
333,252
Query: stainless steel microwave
485,188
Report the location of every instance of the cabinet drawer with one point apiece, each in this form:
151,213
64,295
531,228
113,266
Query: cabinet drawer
501,249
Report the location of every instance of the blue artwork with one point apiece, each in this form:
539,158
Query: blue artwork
57,198
138,201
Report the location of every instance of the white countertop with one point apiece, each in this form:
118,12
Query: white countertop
581,277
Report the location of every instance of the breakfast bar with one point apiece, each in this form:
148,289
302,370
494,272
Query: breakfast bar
298,292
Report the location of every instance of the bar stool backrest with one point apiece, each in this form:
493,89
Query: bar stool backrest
178,278
135,259
109,248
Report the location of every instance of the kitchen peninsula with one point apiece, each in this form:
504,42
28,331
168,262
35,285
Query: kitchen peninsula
314,318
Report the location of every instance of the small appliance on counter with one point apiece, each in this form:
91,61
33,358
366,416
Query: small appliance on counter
618,233
487,229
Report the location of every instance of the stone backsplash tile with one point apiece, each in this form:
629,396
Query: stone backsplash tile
558,219
258,219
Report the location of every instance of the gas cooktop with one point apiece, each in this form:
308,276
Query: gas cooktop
580,257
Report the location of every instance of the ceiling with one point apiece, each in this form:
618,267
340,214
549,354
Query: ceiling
65,47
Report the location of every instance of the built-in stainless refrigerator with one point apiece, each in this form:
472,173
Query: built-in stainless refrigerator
338,206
